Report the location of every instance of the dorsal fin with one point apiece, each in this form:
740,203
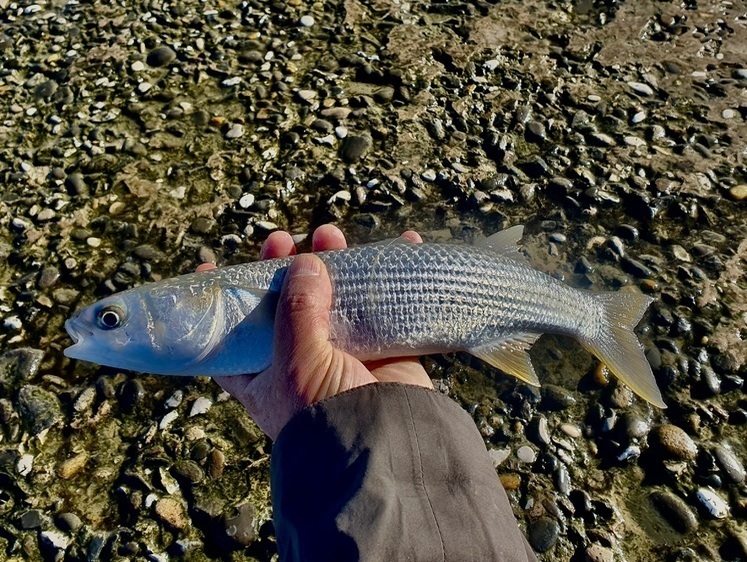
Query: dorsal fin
505,242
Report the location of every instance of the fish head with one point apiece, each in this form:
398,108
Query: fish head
162,328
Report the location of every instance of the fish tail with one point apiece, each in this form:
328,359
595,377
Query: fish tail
617,346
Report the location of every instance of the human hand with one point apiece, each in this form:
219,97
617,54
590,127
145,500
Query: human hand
306,367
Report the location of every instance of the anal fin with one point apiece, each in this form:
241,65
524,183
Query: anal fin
510,355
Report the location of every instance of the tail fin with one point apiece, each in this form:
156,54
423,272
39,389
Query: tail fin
618,347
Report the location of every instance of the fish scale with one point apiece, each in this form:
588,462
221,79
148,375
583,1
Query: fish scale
389,299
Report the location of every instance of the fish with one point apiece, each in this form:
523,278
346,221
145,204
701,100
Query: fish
390,299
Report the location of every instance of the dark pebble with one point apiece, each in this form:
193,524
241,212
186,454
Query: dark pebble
39,408
46,90
634,267
68,522
20,364
535,132
48,277
555,398
202,225
189,471
675,510
75,185
148,253
322,126
543,534
732,467
535,167
670,441
537,431
630,425
31,519
105,387
240,527
161,56
132,394
354,147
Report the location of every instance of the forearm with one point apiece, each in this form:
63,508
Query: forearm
389,472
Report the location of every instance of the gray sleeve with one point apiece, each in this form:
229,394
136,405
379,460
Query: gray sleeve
389,472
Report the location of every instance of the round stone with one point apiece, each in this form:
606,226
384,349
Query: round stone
672,508
354,147
306,21
738,192
161,56
672,442
543,534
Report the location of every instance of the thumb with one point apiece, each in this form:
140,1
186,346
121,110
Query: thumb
302,318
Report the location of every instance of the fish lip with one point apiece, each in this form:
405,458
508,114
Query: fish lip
77,331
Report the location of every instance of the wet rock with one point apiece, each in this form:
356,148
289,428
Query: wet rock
189,471
46,90
48,277
556,398
216,463
731,466
131,395
20,364
672,442
240,527
39,408
354,147
543,534
68,522
675,510
76,185
31,519
162,55
712,503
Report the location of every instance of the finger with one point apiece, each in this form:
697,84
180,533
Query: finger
278,245
328,237
406,370
412,236
206,267
302,320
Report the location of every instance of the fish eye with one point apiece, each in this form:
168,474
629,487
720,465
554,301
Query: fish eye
110,317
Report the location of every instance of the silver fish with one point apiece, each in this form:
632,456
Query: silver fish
389,299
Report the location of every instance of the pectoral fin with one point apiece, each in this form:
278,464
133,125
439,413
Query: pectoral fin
510,356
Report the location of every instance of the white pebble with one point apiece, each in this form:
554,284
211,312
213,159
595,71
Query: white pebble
236,131
713,503
641,88
246,201
526,454
174,400
341,131
231,82
55,539
728,114
306,21
19,224
498,456
12,323
200,406
25,463
144,87
168,419
137,66
93,242
307,95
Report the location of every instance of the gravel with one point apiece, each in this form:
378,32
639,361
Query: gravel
139,141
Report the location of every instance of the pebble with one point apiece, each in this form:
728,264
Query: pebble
730,464
306,21
54,540
641,88
39,408
672,442
241,526
354,147
598,553
235,131
31,519
171,512
675,510
200,406
543,534
526,454
68,522
556,398
498,456
738,192
712,503
72,466
161,56
21,363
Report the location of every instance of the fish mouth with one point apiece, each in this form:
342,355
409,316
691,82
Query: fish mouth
78,333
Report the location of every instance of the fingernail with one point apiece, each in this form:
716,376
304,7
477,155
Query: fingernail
306,265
